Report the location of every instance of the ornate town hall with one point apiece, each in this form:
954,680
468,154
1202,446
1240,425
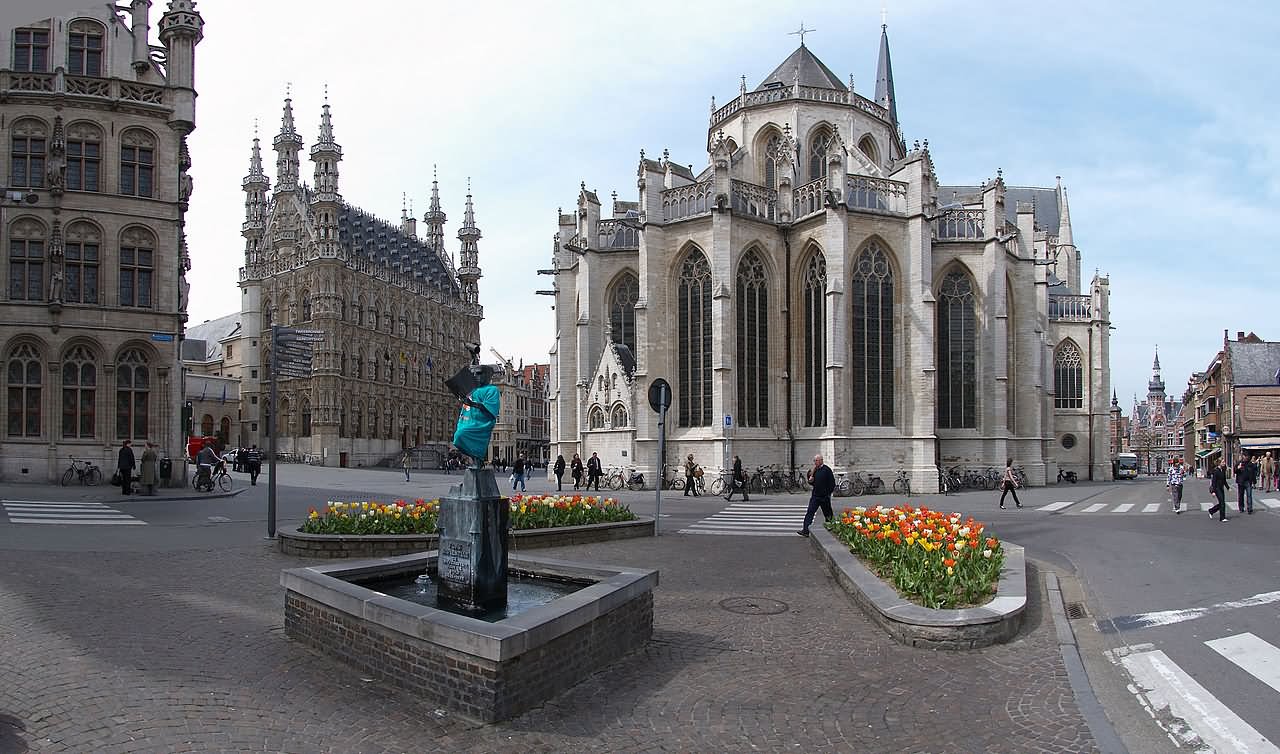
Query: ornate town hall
815,289
94,122
393,307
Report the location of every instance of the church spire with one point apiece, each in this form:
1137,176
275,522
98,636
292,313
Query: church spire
468,257
255,186
1064,217
1155,388
434,218
326,154
287,144
884,80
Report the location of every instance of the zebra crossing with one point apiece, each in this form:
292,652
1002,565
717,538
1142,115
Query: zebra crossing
1187,710
49,512
1073,507
753,520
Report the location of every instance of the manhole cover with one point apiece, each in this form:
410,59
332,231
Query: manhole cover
1076,610
753,605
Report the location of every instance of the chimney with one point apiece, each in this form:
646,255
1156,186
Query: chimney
1240,336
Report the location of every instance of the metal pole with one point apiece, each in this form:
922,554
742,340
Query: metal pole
662,461
271,440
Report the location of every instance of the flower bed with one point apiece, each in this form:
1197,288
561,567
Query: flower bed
936,560
419,516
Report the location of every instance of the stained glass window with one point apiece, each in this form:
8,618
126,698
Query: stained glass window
871,336
752,297
694,341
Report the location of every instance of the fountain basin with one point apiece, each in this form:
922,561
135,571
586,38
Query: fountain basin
486,671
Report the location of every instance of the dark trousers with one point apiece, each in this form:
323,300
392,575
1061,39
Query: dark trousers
559,481
1221,507
254,470
1007,489
1175,491
593,478
734,486
1244,495
690,485
126,480
815,503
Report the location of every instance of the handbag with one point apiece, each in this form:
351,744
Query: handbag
115,479
697,471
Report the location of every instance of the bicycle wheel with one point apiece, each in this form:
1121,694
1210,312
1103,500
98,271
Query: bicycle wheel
93,477
901,487
224,482
636,483
67,476
844,488
717,486
859,487
616,482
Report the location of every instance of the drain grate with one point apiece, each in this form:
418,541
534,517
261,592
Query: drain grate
753,605
1076,610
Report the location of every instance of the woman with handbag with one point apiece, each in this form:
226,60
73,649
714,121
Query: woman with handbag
690,476
1009,483
576,468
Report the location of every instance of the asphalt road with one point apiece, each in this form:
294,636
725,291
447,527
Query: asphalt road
1178,629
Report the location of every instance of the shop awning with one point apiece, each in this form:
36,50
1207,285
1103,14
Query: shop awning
1259,443
1204,453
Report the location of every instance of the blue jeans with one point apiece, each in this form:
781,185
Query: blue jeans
815,503
518,480
1244,496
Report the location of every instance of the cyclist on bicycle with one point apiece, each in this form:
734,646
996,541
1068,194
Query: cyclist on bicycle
205,461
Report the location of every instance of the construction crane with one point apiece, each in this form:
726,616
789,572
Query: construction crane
506,363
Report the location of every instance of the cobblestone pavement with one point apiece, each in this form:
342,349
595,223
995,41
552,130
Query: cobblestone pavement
185,651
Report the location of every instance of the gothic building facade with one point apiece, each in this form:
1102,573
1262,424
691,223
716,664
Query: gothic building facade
94,120
393,308
815,288
1155,433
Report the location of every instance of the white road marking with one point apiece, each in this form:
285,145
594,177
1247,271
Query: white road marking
751,519
1151,507
1169,617
78,521
1123,508
1095,507
1256,657
1205,506
66,513
1057,506
1167,687
1271,502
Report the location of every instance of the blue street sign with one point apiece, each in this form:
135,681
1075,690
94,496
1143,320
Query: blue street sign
728,420
162,337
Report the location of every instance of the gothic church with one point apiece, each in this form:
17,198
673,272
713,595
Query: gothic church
816,289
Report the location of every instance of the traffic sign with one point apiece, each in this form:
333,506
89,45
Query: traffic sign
292,350
299,338
728,420
659,395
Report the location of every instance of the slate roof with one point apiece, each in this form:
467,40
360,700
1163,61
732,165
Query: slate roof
813,72
1046,201
626,359
211,332
383,242
1254,363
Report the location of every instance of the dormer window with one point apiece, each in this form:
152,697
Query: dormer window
31,50
84,49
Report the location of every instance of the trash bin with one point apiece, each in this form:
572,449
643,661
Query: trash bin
166,472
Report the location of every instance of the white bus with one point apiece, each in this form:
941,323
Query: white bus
1126,466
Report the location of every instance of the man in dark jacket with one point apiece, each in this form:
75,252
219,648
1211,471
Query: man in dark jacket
739,480
594,471
125,464
1246,477
1218,488
253,463
824,483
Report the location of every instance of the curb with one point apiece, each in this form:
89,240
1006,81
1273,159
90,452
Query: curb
159,499
1095,717
996,622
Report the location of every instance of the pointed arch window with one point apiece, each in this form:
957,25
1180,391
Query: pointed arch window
27,153
818,153
957,353
79,394
133,392
1068,377
137,265
24,383
694,340
595,418
619,417
306,418
752,296
815,341
772,157
871,325
137,163
81,255
622,310
26,260
84,157
84,48
1011,360
867,146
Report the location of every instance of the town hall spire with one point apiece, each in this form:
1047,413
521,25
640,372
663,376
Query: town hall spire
287,144
434,218
326,154
468,257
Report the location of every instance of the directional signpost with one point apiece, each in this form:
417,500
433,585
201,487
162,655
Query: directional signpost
660,401
291,353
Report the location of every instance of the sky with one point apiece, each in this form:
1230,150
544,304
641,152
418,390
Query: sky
1159,116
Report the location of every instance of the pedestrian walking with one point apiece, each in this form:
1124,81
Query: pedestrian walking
125,464
147,471
824,483
594,471
559,472
253,462
1246,476
690,474
739,480
519,470
1009,483
1174,483
1267,467
576,468
240,459
1218,488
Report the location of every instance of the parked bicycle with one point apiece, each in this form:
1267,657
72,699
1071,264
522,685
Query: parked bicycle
84,471
902,485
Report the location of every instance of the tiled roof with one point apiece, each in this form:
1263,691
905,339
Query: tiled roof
813,72
1254,363
1046,202
212,332
383,242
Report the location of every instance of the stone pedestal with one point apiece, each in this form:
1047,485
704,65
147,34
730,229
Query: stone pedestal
473,523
